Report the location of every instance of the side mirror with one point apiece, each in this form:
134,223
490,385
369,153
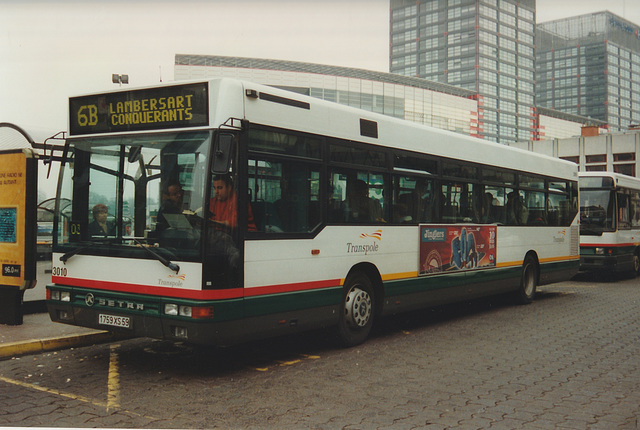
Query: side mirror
134,153
222,153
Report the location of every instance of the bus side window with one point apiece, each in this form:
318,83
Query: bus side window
517,212
535,204
361,204
635,210
495,208
357,197
285,196
623,211
414,200
450,202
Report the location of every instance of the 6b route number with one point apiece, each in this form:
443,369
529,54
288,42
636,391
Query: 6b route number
88,115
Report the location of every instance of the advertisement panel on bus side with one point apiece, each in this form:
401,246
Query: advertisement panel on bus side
456,247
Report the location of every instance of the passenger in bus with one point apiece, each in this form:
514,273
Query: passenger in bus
100,226
488,210
172,203
417,204
402,214
517,213
360,207
223,206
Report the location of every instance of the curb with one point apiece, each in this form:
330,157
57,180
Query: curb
13,349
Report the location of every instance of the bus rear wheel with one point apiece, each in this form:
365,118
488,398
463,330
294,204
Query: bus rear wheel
357,312
528,281
636,263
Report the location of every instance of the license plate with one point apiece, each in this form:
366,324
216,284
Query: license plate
114,321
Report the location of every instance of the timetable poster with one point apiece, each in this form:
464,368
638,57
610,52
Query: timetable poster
18,176
460,247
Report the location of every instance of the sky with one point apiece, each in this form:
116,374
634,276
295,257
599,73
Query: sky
50,50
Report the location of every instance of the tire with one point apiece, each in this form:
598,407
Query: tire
357,310
636,263
528,281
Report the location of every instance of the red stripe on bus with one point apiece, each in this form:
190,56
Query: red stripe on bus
610,245
230,293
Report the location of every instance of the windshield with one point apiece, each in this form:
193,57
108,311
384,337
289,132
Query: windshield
597,211
119,194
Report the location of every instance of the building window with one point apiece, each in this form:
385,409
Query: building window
573,159
488,12
507,18
628,156
525,13
600,158
625,169
525,25
507,44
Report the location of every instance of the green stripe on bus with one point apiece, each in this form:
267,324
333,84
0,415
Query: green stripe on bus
547,268
284,302
447,280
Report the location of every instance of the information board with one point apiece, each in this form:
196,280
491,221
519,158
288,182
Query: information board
18,229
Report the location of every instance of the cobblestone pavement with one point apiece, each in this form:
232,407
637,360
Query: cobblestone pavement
571,360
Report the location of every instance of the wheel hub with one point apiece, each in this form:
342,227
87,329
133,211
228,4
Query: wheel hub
358,307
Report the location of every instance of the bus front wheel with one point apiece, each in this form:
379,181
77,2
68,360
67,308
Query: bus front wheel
528,280
357,310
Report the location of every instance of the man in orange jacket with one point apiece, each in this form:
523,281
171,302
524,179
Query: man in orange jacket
224,205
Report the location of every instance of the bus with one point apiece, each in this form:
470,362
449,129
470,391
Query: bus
236,211
609,222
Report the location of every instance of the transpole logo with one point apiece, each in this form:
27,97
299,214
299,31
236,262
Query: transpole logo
353,248
560,236
375,235
173,281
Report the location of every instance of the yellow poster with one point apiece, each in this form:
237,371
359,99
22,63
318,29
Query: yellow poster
18,227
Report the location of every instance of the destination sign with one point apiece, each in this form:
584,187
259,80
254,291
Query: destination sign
146,109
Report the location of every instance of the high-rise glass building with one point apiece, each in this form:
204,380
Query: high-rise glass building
486,46
589,65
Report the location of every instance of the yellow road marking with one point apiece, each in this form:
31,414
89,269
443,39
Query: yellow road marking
53,391
113,385
113,396
290,362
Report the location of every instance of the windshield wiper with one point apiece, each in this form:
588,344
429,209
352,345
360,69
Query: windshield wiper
160,258
80,249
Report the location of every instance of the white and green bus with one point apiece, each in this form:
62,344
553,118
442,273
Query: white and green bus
609,222
339,215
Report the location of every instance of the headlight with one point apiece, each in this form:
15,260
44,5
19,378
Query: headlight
63,296
185,311
599,251
171,309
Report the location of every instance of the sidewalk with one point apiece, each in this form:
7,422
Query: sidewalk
38,333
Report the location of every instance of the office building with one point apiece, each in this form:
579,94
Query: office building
589,65
554,124
484,46
593,151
